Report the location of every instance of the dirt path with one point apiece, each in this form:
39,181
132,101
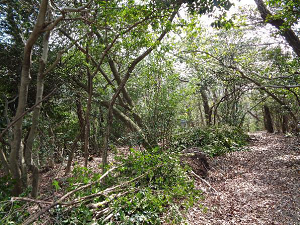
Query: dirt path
259,186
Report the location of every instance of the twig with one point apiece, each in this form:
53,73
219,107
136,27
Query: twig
108,217
196,175
106,191
102,212
30,200
110,198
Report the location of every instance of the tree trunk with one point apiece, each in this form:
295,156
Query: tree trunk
268,119
200,113
106,139
4,162
35,116
71,155
80,119
35,181
285,123
50,159
87,114
87,125
207,109
94,138
23,92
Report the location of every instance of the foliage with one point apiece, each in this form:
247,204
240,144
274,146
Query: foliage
286,10
156,91
6,184
160,194
212,140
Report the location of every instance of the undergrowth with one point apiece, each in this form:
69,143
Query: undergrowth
212,140
147,187
159,192
11,212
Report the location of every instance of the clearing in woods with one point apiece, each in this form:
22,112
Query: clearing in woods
259,186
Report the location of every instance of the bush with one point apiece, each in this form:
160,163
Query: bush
212,140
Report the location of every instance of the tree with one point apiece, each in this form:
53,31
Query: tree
39,28
228,57
286,15
114,32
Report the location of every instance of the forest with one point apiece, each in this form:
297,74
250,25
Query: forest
149,112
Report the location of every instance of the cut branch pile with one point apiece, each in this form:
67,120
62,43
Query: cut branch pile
99,209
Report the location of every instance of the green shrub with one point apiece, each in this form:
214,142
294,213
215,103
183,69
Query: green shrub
212,140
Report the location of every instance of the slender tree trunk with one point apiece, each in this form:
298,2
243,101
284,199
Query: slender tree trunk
87,117
71,155
5,114
80,119
268,119
23,92
106,139
285,123
207,109
214,108
200,112
35,117
4,162
95,136
3,150
50,160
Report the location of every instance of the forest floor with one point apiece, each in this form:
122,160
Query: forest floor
259,186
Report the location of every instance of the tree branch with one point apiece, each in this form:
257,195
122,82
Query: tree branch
35,216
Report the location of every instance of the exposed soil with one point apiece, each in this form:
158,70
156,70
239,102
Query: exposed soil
259,186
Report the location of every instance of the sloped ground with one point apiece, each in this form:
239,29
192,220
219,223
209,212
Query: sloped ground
259,186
